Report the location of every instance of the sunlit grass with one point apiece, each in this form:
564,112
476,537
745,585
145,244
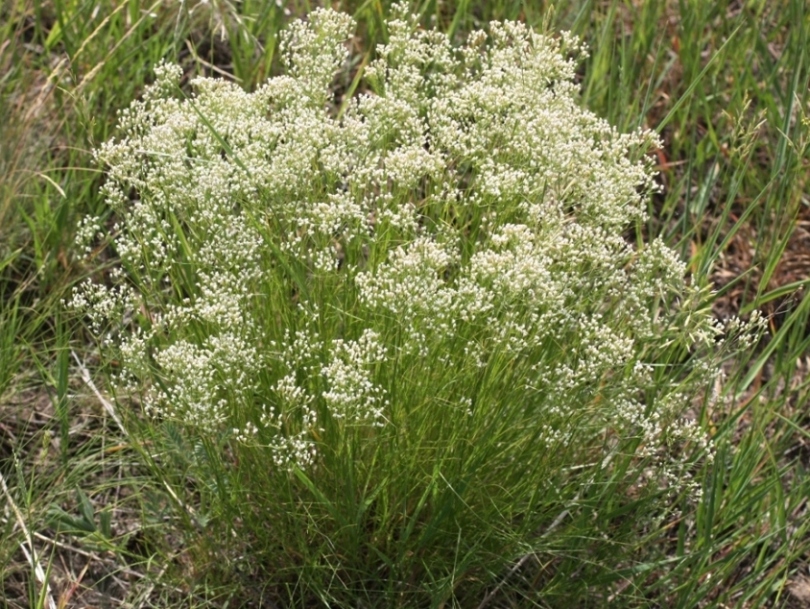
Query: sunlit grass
734,203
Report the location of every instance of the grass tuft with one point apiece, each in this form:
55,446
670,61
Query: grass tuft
726,85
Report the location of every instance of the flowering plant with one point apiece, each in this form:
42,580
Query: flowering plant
406,327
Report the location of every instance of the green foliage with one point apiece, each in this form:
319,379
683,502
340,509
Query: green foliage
421,338
731,80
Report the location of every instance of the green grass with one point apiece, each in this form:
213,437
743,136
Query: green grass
726,84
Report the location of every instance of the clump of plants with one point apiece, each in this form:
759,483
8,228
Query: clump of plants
383,347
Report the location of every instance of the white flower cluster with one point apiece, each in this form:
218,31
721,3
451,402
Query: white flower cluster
463,207
352,392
